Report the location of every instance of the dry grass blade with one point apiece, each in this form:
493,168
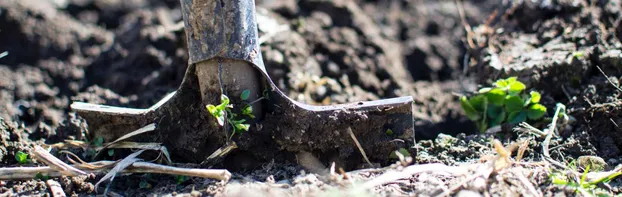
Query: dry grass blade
145,129
126,162
55,163
609,79
68,144
521,150
221,152
358,145
134,145
143,146
391,176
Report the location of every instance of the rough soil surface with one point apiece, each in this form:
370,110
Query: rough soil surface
132,53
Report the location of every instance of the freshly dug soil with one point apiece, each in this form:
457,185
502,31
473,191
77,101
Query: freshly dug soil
132,53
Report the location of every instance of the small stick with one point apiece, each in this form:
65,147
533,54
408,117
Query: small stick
358,145
14,173
609,79
55,163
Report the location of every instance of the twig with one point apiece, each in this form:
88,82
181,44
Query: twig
532,129
609,79
20,173
467,27
45,157
358,145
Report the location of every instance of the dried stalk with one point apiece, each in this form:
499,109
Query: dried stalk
14,173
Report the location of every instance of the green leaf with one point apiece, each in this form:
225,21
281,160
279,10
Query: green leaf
389,132
479,102
402,151
212,109
99,141
496,96
517,117
224,99
536,111
42,177
21,157
484,90
4,54
181,179
469,111
218,113
516,88
497,120
535,97
502,83
513,103
110,152
248,110
245,94
496,114
242,127
221,118
144,185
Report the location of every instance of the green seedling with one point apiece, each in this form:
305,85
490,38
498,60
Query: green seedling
21,157
223,113
582,186
402,151
144,184
181,179
98,141
42,177
110,152
505,102
245,94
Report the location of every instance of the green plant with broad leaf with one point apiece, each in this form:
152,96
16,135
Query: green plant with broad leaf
505,102
21,157
223,113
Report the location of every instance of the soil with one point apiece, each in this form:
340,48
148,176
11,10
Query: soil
132,53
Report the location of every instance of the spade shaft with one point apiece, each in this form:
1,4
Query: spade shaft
224,58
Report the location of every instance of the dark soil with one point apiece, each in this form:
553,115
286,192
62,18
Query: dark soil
132,53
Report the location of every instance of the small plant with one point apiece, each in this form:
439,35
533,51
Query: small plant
582,186
505,102
179,179
222,112
42,177
144,184
21,157
402,151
